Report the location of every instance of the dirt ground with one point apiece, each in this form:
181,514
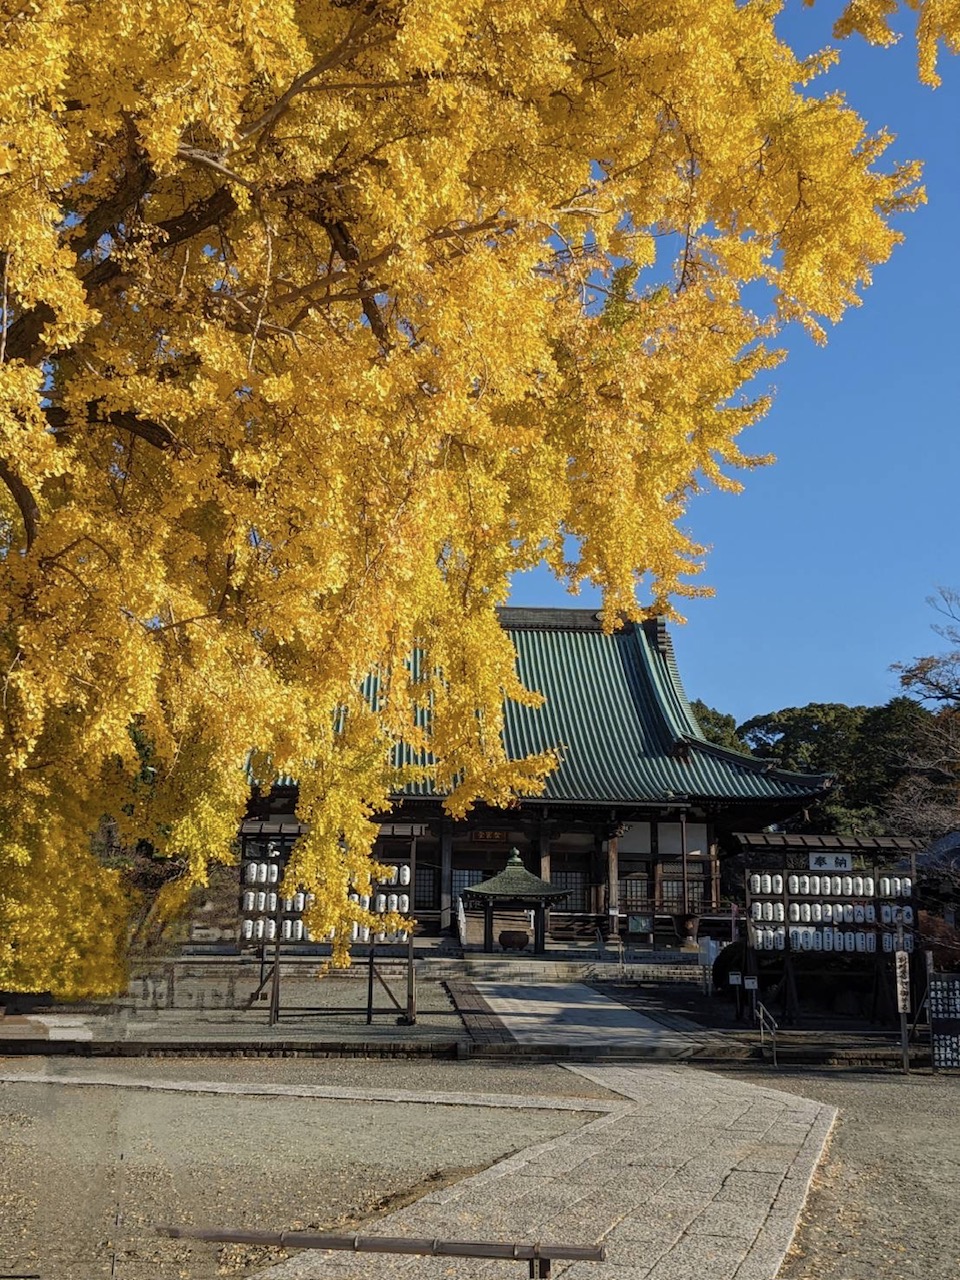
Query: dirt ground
886,1200
86,1173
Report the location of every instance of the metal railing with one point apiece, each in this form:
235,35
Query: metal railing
768,1026
538,1255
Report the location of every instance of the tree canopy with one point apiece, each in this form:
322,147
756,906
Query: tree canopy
870,751
317,322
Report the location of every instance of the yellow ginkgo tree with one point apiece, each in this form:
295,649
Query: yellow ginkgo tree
318,320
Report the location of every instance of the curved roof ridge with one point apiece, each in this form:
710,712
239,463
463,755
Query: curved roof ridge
759,765
676,706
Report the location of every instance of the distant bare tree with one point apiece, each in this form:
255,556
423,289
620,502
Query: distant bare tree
927,800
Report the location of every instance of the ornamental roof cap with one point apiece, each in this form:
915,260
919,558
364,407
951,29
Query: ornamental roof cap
516,883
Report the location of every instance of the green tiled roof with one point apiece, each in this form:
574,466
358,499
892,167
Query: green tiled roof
616,714
616,711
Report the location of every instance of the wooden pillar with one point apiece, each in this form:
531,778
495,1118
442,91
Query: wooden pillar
613,886
542,842
488,925
714,874
446,877
542,848
683,863
597,875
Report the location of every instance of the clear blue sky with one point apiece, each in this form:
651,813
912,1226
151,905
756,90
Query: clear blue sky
823,565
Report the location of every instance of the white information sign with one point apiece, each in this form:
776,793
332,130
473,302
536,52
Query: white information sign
736,978
903,981
831,861
749,984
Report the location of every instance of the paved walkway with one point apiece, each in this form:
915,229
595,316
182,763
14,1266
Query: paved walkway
695,1177
687,1175
570,1013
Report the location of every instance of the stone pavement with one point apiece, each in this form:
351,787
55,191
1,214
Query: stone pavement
694,1177
453,1017
570,1013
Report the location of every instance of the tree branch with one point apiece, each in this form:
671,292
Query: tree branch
23,336
358,28
155,433
26,502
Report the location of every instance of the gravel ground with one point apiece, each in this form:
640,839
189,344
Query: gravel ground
86,1172
427,1076
886,1201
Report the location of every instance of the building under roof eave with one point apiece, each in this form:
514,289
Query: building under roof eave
632,815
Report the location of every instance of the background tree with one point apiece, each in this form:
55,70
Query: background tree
300,360
718,727
869,751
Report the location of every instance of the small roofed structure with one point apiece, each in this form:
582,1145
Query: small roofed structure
515,888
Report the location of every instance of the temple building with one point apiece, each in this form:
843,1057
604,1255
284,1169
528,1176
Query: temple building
632,823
